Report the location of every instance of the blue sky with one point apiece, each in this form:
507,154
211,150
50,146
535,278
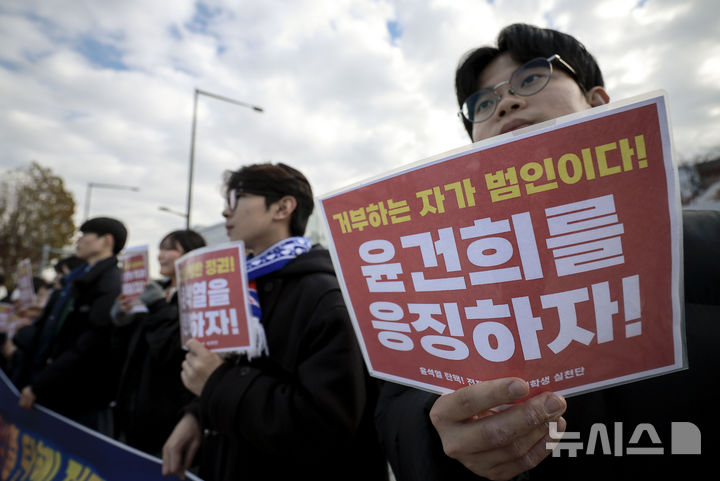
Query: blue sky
103,91
104,55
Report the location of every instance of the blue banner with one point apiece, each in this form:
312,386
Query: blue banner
41,445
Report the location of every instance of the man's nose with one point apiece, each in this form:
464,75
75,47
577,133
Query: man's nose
509,101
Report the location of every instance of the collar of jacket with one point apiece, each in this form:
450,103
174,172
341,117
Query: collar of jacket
98,269
315,261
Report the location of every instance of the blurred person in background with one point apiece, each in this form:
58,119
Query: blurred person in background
71,369
150,394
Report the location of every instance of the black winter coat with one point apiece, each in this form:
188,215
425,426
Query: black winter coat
21,365
304,411
150,395
81,374
415,451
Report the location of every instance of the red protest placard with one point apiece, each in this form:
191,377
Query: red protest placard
134,262
551,255
212,296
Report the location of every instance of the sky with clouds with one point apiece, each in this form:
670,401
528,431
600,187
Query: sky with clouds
102,91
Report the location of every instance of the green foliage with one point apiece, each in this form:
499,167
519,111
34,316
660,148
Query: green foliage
35,210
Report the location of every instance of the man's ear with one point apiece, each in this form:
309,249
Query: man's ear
284,207
109,241
597,96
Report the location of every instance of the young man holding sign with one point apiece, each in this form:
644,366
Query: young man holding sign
535,75
304,408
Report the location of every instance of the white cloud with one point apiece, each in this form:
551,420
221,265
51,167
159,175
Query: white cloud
343,99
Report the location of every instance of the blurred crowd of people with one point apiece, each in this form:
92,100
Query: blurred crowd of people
119,366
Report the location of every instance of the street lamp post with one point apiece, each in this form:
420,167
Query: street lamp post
171,211
199,92
90,186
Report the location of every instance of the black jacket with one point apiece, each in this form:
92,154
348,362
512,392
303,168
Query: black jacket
150,394
80,374
304,411
415,451
21,365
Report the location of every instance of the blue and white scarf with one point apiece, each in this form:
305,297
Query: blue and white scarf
270,260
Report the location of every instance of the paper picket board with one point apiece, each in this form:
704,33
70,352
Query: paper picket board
212,298
25,285
134,261
552,253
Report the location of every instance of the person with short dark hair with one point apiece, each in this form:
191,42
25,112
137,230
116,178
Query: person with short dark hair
150,395
71,370
533,75
519,44
67,264
303,409
274,182
110,232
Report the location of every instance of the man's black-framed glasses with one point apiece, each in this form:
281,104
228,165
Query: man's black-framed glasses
234,194
231,200
526,80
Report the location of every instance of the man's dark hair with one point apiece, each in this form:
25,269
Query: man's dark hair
72,263
523,43
107,225
274,181
187,240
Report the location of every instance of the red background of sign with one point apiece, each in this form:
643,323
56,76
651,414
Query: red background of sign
218,342
641,201
131,260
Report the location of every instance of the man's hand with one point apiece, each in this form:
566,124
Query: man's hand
497,444
181,447
30,312
199,363
124,303
8,348
27,398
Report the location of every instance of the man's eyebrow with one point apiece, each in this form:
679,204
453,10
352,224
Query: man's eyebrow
479,86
